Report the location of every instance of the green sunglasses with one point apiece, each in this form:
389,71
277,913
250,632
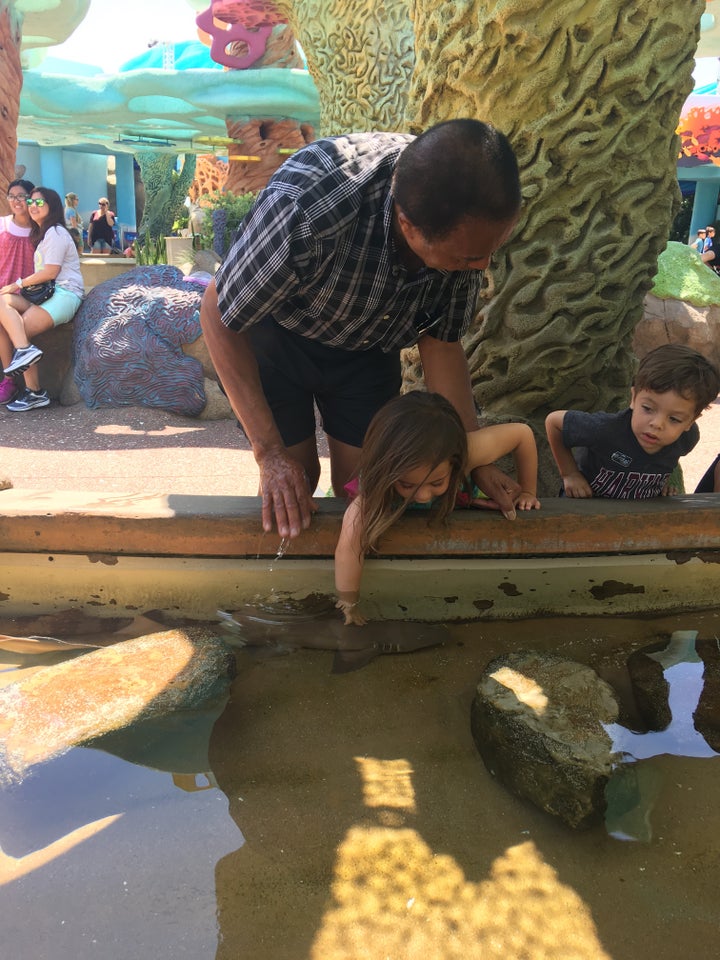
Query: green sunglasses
39,202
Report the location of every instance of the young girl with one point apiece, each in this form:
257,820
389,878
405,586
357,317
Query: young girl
416,452
16,260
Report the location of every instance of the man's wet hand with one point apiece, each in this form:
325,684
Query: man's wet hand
285,494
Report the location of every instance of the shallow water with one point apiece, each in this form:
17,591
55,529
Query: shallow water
350,816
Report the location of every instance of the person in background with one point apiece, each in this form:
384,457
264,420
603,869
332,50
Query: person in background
710,481
16,260
100,229
72,217
699,242
360,245
630,455
417,453
711,250
77,237
56,258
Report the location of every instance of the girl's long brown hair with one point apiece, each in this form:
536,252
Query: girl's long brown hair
413,430
55,218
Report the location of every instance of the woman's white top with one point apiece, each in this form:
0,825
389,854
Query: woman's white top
57,248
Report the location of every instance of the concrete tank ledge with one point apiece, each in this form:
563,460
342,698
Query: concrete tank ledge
229,527
117,555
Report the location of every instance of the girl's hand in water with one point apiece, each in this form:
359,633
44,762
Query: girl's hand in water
351,613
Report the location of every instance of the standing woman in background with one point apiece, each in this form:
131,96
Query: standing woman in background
16,260
100,228
72,217
56,258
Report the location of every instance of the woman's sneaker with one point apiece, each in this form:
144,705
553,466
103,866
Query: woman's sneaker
23,358
8,390
28,400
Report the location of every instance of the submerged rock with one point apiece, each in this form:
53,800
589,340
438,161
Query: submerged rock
538,722
73,702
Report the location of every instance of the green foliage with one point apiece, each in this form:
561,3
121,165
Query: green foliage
182,221
165,190
234,207
150,250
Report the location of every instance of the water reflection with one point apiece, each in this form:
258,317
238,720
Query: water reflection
683,672
372,826
114,859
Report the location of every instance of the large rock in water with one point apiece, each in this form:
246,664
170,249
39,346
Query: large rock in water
537,720
70,703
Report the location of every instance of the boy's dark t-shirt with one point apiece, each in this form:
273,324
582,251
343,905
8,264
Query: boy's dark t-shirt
613,462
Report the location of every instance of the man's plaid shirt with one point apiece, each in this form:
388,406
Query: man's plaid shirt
316,253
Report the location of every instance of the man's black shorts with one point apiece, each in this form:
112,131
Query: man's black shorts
348,386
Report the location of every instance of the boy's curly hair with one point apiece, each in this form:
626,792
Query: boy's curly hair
674,366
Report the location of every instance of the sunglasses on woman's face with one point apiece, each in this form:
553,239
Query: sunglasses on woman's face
18,197
38,201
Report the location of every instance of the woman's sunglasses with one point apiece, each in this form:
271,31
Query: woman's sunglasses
38,201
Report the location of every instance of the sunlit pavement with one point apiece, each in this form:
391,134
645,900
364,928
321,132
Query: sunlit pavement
143,450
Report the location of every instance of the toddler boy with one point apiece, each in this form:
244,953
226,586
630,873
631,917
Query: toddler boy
630,455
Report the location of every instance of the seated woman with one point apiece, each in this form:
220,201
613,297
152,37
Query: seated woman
16,260
56,258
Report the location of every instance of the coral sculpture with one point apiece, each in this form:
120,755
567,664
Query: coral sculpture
129,334
589,95
10,83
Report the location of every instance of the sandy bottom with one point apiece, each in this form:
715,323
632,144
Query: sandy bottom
350,816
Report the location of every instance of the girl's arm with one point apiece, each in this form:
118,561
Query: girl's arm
574,483
490,443
349,565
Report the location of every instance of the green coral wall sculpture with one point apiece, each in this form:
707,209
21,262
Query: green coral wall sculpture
589,93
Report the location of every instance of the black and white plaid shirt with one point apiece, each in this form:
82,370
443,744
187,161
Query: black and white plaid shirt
316,253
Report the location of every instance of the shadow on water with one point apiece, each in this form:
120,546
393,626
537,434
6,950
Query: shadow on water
373,829
362,823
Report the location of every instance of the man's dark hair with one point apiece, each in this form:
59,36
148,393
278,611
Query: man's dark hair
674,366
455,171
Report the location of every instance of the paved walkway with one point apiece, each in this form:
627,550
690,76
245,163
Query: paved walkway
139,450
126,450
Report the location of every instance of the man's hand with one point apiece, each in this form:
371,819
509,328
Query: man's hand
502,491
285,494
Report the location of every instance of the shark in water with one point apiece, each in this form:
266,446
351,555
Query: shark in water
354,646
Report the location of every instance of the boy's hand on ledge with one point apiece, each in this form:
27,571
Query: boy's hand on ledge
527,501
577,486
